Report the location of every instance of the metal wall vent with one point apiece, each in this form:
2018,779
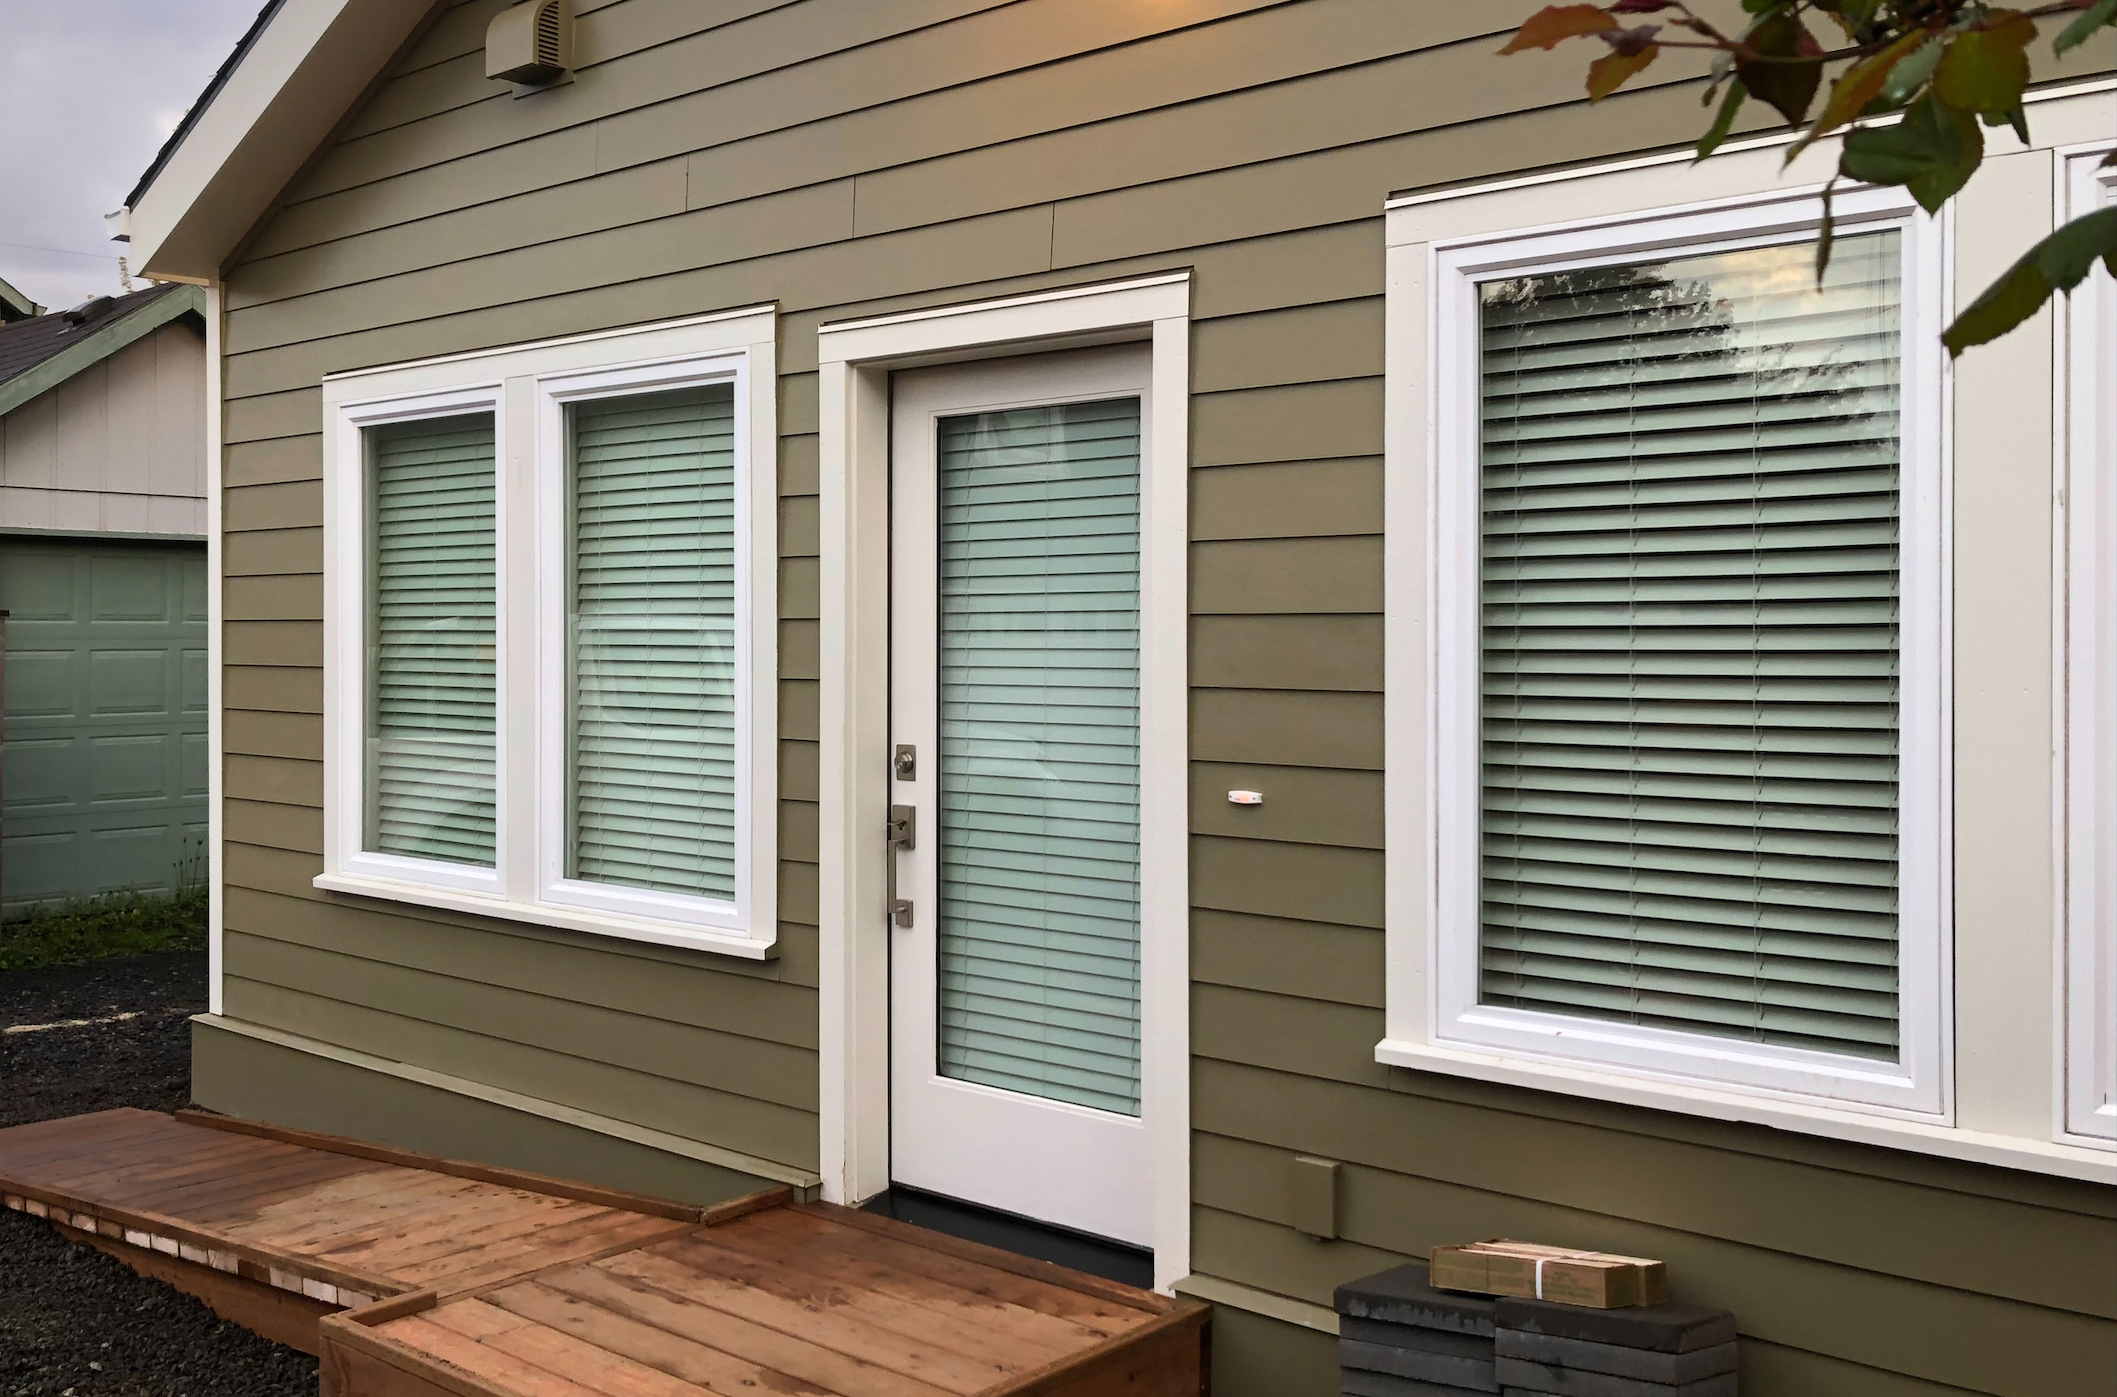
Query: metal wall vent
532,43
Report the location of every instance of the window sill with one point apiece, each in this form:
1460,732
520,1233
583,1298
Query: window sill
2084,1162
597,923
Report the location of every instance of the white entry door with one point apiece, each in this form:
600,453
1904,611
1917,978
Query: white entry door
1015,664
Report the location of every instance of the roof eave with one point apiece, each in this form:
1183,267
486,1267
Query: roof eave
296,76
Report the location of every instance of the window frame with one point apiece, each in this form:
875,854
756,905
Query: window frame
349,574
527,387
2087,349
1917,1087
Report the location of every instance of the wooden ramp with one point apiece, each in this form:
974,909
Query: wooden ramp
412,1276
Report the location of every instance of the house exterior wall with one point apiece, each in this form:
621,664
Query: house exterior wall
855,157
117,448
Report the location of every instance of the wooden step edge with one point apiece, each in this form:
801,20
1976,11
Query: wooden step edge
1050,1272
621,1199
1176,1338
283,1270
355,1333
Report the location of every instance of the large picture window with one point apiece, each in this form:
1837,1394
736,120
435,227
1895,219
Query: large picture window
1688,775
552,634
1689,644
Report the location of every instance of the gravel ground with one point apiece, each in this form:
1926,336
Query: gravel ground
74,1322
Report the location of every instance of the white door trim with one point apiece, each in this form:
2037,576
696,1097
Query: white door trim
854,362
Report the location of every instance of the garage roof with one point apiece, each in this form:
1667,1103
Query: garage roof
44,351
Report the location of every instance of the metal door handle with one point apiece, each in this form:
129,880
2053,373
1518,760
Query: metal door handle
902,837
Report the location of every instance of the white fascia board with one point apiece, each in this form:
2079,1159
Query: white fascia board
300,77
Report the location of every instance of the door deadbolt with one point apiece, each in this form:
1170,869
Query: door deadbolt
906,762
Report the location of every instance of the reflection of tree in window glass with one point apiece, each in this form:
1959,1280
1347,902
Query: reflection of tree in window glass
1690,591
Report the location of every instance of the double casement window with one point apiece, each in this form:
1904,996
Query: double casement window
1686,712
550,660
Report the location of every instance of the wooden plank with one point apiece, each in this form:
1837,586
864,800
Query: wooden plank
502,1370
887,1285
687,1357
795,1356
583,1362
256,1256
92,1162
475,1319
141,1188
347,1370
833,1319
1114,1292
362,1206
240,1186
493,1223
577,1241
486,1173
1167,1358
278,1315
722,1213
372,1364
1006,1286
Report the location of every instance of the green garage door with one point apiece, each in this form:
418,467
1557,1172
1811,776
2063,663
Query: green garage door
103,781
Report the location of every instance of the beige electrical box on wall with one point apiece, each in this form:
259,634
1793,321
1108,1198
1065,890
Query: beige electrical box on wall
531,43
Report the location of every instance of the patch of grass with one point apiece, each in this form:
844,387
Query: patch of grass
95,928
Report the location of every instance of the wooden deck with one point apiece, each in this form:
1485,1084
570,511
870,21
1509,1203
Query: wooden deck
419,1277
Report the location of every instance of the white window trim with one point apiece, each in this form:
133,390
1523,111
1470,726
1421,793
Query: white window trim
855,360
2025,1131
1455,267
526,387
2087,335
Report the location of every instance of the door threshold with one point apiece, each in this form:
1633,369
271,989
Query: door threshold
1010,1232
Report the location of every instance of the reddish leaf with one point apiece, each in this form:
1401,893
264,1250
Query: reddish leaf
1554,23
1608,73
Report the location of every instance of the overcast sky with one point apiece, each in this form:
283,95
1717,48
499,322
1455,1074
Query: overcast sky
89,89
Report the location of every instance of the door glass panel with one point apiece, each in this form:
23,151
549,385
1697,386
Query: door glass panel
1039,772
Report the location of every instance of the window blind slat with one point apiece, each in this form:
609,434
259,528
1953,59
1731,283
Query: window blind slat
430,786
1039,672
652,638
1690,672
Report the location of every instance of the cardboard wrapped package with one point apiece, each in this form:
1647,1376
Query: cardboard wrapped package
1595,1279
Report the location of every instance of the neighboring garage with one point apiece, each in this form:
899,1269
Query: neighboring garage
103,755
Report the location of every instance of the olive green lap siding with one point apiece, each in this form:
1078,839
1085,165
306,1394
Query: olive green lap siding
242,1076
852,157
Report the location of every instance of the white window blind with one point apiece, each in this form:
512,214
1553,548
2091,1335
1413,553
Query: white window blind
652,639
1039,654
430,731
1690,638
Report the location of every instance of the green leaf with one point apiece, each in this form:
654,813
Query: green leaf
1857,88
1985,70
1932,152
2080,30
1788,69
1724,122
2058,263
